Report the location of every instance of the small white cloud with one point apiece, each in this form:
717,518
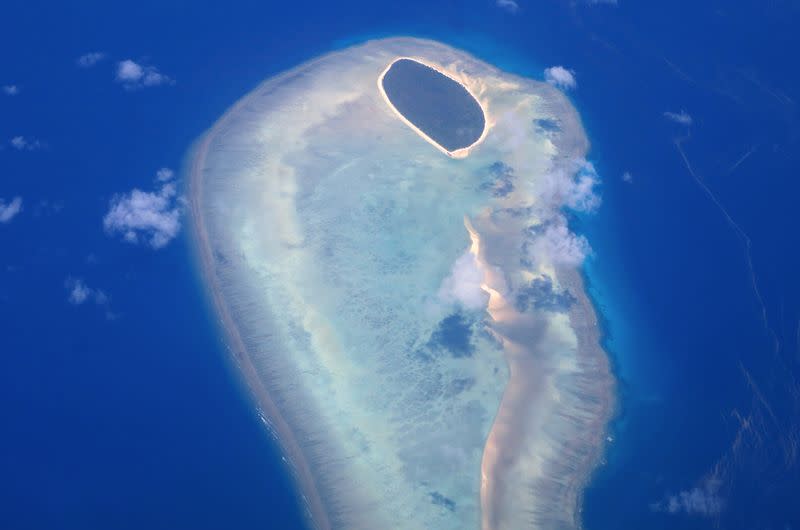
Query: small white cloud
133,75
129,71
464,284
90,59
560,77
702,500
10,90
509,5
78,293
22,143
571,185
602,2
556,245
580,195
153,217
164,174
627,177
9,210
682,117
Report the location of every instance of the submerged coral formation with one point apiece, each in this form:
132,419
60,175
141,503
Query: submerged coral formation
413,326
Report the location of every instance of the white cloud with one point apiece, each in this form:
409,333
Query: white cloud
464,284
9,210
560,77
133,75
78,293
571,185
21,143
10,90
702,500
627,177
509,5
681,117
164,174
580,195
554,244
90,59
154,217
602,2
129,71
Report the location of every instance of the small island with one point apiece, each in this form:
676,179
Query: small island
433,104
408,324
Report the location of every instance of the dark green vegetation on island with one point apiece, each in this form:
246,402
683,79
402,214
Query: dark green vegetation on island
439,106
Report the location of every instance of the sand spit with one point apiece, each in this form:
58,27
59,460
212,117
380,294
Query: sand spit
339,250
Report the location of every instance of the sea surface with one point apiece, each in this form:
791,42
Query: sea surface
128,415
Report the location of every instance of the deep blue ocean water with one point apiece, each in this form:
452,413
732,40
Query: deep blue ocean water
138,421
